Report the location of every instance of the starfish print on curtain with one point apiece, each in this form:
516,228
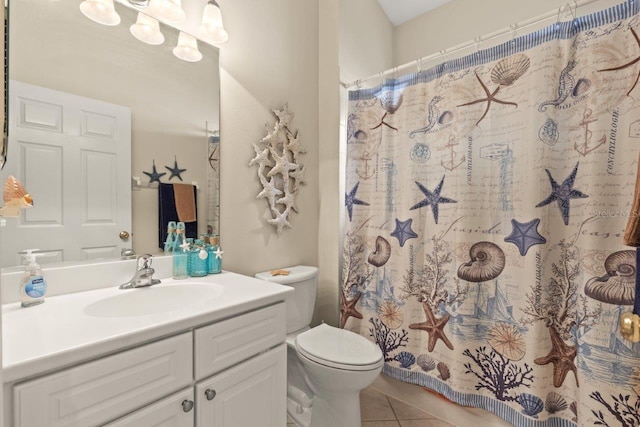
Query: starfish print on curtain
525,235
403,231
563,193
432,199
350,200
630,63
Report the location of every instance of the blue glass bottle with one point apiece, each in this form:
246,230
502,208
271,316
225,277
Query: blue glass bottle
180,259
198,259
181,234
214,263
188,252
169,244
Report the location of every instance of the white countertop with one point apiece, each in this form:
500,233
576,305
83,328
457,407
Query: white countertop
59,333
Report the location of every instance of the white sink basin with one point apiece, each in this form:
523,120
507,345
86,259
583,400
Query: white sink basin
155,299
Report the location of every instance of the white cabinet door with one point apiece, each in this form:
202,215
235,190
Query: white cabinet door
251,394
173,411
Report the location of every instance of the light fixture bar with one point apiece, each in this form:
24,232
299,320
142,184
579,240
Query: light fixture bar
168,10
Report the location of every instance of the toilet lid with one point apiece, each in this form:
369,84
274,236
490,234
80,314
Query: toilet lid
338,348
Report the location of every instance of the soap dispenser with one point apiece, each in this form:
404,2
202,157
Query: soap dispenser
181,259
33,286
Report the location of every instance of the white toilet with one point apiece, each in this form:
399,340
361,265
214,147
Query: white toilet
326,366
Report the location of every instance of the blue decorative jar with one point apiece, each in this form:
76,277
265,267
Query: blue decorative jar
198,259
214,262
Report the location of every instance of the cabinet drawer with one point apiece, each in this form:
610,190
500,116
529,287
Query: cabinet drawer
105,389
173,411
231,341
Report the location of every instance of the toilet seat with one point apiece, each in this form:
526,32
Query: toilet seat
338,348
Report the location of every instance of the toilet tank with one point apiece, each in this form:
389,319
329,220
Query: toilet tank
304,280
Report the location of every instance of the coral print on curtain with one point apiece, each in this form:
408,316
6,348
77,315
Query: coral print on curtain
486,200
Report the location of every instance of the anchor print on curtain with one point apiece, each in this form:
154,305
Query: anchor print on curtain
486,201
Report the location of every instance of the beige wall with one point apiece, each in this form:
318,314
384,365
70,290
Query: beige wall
342,31
271,58
53,45
287,51
366,39
329,163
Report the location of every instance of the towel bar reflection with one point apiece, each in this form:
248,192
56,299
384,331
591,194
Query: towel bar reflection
137,184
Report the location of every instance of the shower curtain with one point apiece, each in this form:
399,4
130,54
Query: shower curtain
486,199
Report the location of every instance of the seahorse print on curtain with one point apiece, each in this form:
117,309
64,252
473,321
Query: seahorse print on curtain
486,200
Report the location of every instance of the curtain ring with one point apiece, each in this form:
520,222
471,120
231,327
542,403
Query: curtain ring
443,55
476,43
359,84
575,10
558,17
418,64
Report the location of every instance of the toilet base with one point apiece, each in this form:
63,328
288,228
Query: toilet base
336,410
340,410
300,415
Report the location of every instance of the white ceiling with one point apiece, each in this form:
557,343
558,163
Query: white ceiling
401,11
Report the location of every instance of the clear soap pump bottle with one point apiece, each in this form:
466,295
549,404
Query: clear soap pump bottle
33,287
180,255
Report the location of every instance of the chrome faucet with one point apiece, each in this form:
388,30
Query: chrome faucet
143,275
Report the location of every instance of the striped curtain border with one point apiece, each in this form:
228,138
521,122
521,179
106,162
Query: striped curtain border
556,31
490,404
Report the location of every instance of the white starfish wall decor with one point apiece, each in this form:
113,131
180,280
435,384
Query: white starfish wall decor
279,170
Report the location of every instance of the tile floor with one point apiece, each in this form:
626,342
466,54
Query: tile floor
379,410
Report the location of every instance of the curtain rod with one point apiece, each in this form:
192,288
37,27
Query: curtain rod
512,29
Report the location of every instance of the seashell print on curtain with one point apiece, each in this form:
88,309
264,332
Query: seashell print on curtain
486,202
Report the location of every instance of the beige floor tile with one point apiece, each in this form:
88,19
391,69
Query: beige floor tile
407,412
374,406
425,423
380,424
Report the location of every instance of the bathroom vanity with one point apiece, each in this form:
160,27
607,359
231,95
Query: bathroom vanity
209,352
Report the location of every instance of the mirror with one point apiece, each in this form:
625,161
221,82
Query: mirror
105,71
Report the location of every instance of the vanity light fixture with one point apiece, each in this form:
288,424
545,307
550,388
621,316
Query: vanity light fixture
211,28
147,30
187,48
168,10
100,11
